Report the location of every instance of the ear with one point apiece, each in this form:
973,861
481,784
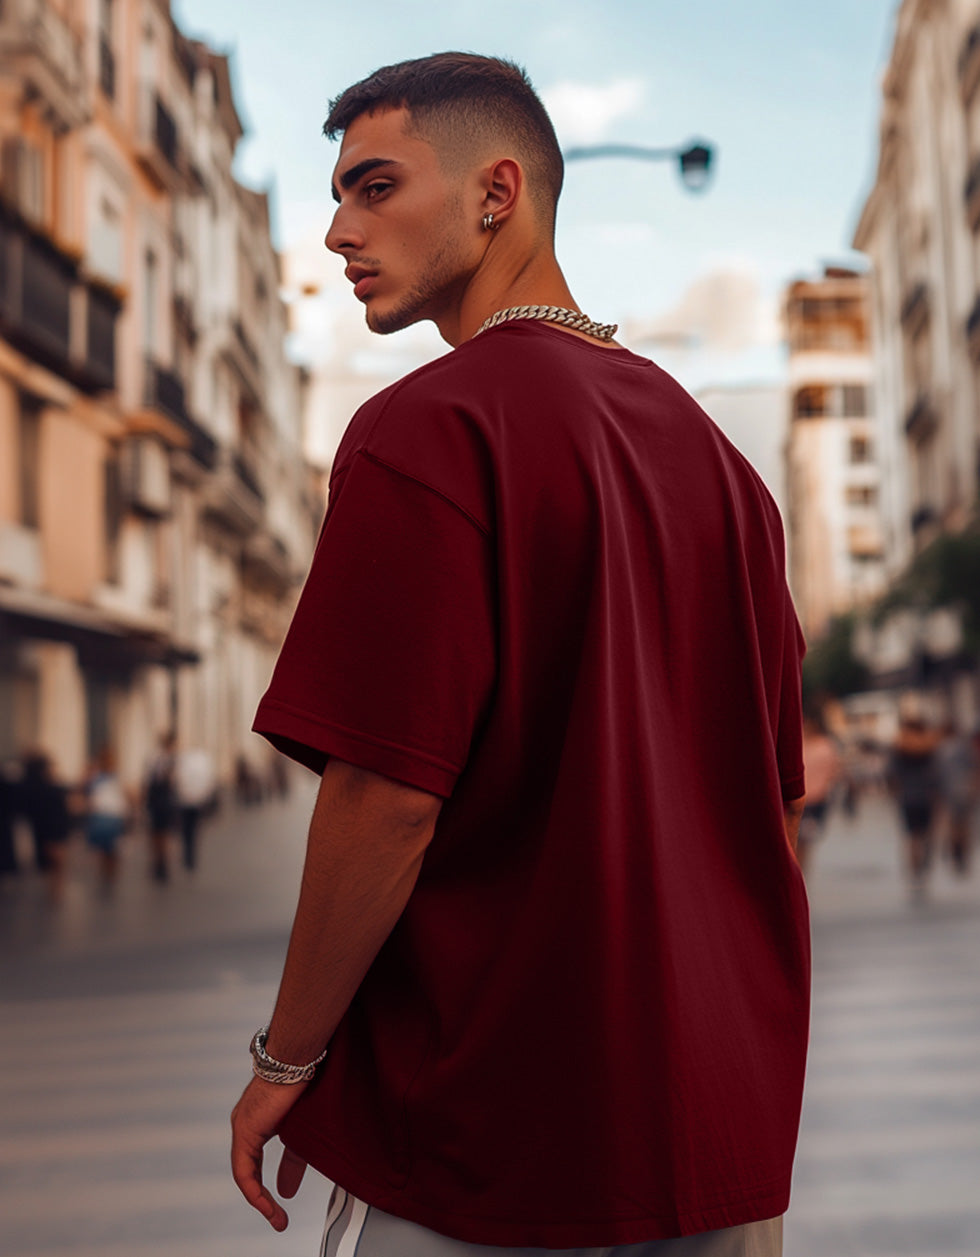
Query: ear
503,183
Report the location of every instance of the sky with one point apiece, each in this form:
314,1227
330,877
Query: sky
788,92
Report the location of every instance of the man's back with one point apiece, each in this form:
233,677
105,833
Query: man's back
549,590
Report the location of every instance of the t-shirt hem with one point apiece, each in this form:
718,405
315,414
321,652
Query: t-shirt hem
770,1200
297,733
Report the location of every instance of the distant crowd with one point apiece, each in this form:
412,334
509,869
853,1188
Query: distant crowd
179,791
932,772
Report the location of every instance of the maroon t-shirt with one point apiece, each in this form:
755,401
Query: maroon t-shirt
549,590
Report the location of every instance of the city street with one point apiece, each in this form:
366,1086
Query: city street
126,1022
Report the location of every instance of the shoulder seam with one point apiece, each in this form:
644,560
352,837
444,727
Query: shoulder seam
439,493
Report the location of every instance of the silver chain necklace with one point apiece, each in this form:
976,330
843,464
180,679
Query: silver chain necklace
553,314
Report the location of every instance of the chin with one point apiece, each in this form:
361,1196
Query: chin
384,322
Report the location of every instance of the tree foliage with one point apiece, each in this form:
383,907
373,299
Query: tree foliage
830,667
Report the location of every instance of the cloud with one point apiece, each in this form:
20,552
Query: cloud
723,311
582,113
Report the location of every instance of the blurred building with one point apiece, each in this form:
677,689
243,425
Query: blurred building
832,476
753,417
921,228
156,511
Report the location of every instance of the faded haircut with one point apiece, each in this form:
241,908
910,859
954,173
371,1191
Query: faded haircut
461,104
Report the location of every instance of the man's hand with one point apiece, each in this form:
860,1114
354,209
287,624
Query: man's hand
254,1120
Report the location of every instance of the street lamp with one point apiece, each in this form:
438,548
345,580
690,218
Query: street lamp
693,161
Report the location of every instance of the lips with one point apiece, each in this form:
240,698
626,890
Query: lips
362,279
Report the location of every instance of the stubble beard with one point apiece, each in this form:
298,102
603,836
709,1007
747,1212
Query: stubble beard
443,279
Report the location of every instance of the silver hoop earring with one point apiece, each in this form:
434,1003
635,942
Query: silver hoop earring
488,222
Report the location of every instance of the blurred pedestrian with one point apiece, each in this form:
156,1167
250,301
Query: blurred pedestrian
823,769
194,782
160,799
913,776
248,785
44,806
9,789
959,781
106,814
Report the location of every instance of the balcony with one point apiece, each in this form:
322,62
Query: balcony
266,562
158,147
53,314
41,50
915,310
921,421
163,391
973,331
232,497
243,358
969,64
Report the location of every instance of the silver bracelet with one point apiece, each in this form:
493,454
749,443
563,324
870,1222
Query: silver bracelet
269,1069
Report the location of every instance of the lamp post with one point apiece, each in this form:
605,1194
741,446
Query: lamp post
694,160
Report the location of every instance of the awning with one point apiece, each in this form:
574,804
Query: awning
102,639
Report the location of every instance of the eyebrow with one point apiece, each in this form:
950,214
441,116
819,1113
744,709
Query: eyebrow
350,177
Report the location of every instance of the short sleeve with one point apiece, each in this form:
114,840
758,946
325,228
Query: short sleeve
390,660
789,749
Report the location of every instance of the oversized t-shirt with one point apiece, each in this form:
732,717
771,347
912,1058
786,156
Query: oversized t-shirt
549,590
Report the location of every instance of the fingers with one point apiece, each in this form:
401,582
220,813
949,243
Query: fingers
291,1171
246,1170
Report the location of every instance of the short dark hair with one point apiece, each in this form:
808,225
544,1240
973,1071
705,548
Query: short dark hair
456,98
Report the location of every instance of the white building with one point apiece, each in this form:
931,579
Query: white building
156,511
921,229
832,477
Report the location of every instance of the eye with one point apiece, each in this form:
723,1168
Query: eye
376,188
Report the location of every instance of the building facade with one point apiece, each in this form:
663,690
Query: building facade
832,476
921,229
156,510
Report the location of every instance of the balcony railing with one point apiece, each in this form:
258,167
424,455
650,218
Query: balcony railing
969,63
163,390
51,312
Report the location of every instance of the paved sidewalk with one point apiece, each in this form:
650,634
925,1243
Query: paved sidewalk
889,1156
127,1019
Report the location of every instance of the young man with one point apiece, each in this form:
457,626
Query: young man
552,936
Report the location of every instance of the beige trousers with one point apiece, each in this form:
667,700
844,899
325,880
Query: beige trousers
354,1229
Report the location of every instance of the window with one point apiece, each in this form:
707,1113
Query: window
114,511
22,177
860,449
105,245
151,284
811,402
855,401
107,58
29,469
862,495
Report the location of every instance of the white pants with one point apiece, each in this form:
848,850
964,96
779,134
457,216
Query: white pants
354,1229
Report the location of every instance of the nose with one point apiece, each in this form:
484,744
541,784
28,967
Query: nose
343,232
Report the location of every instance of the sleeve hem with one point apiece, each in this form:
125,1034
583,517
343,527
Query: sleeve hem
793,787
312,741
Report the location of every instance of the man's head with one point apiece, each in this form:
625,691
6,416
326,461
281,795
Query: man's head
467,107
429,147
